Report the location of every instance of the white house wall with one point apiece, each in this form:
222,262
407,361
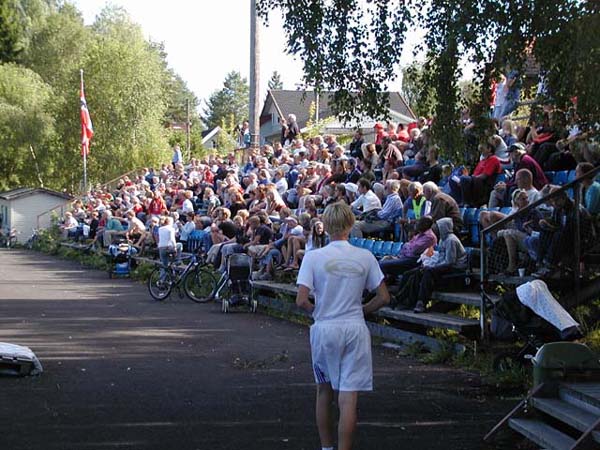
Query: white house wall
25,211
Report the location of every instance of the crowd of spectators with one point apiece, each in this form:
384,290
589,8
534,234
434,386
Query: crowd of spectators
269,204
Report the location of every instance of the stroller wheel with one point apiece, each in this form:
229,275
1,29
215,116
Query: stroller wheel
507,361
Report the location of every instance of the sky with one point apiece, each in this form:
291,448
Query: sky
206,39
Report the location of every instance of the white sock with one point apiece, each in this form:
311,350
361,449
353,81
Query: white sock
326,448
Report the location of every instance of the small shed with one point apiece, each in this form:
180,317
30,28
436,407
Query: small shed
26,209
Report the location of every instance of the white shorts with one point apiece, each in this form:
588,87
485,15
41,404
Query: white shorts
341,355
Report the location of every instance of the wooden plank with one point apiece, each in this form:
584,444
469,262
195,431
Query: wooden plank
542,434
585,392
460,298
435,320
381,331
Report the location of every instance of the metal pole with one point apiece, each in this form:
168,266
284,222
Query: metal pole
482,279
254,76
84,150
188,146
317,99
576,271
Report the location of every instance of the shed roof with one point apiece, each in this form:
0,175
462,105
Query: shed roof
23,192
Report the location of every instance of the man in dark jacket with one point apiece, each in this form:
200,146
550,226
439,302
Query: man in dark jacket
442,205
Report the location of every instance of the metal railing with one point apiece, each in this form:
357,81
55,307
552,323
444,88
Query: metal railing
577,239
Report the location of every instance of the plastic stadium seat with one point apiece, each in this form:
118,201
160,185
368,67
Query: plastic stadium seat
561,177
571,176
495,208
506,210
377,246
550,176
360,242
396,246
368,244
409,162
386,248
353,241
501,177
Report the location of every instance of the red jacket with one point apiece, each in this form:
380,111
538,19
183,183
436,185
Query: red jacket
490,167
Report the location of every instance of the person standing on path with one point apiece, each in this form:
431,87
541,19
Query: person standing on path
340,341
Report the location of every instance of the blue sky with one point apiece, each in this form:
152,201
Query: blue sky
207,39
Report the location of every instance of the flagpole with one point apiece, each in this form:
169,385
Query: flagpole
85,149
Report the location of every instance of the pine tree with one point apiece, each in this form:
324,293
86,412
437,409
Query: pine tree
275,81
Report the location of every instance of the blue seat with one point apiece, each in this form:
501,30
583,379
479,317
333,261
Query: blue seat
550,177
360,242
386,248
396,246
501,177
353,240
561,177
410,162
571,176
368,244
495,208
473,224
377,246
506,210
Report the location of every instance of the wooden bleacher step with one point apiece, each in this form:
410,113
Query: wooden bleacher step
431,319
542,434
582,395
460,298
572,415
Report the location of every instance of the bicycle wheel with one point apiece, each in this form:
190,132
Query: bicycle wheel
199,285
160,285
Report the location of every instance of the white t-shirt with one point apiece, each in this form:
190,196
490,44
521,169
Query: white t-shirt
166,237
368,202
337,275
533,195
187,206
281,185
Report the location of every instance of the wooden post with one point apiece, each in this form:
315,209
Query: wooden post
254,77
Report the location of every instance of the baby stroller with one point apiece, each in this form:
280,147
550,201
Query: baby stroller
236,284
120,262
530,315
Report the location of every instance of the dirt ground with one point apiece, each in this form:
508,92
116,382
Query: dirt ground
123,371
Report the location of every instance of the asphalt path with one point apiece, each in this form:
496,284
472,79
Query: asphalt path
123,371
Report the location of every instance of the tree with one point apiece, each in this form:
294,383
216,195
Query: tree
11,31
26,127
364,43
420,97
275,81
232,100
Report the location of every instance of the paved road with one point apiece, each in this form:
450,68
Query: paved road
125,372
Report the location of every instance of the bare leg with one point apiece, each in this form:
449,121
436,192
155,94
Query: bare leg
347,402
324,414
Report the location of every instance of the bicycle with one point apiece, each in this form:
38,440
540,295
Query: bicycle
197,281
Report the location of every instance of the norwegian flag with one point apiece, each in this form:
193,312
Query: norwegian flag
87,130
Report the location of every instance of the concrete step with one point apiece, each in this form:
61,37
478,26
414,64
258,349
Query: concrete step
542,434
585,396
431,320
572,415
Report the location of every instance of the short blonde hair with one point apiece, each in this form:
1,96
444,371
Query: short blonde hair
338,218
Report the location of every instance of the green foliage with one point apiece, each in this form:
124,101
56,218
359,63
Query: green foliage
420,97
364,43
275,81
26,123
11,31
142,272
315,127
131,94
230,101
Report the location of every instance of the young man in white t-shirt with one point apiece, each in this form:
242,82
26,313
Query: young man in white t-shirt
340,340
